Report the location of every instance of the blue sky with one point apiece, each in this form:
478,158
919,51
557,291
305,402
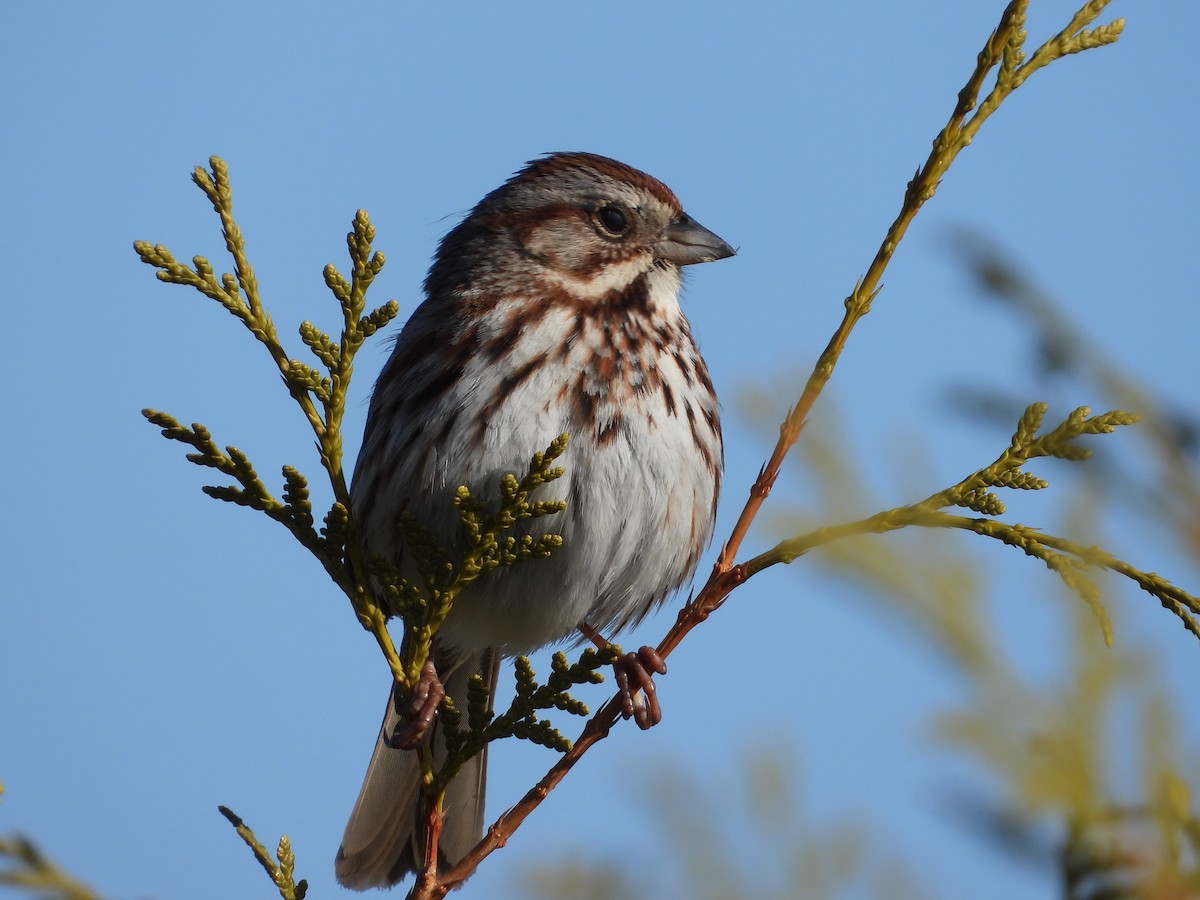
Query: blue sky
163,653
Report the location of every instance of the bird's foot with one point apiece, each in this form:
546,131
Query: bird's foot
635,679
418,711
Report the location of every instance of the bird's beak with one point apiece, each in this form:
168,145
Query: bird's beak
687,241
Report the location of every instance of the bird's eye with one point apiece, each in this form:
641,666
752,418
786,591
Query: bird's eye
613,219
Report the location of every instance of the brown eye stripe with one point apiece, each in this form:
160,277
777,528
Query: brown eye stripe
525,222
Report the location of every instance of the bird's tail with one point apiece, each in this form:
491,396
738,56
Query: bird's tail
383,841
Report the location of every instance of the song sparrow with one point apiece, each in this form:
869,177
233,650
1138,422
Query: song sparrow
553,307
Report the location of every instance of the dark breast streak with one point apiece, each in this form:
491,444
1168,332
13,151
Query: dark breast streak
620,347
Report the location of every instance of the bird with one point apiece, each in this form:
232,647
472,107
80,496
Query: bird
553,307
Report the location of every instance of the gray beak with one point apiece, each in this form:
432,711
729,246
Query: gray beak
687,241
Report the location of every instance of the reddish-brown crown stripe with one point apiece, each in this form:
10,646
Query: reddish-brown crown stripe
558,162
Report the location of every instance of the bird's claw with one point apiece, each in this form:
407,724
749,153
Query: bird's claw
418,711
635,678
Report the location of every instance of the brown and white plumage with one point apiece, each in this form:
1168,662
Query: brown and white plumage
553,307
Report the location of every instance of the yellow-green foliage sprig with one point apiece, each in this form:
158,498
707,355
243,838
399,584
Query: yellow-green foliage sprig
521,719
1072,562
972,492
486,548
320,393
1005,52
482,527
281,868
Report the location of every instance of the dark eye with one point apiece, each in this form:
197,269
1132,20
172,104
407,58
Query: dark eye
613,219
